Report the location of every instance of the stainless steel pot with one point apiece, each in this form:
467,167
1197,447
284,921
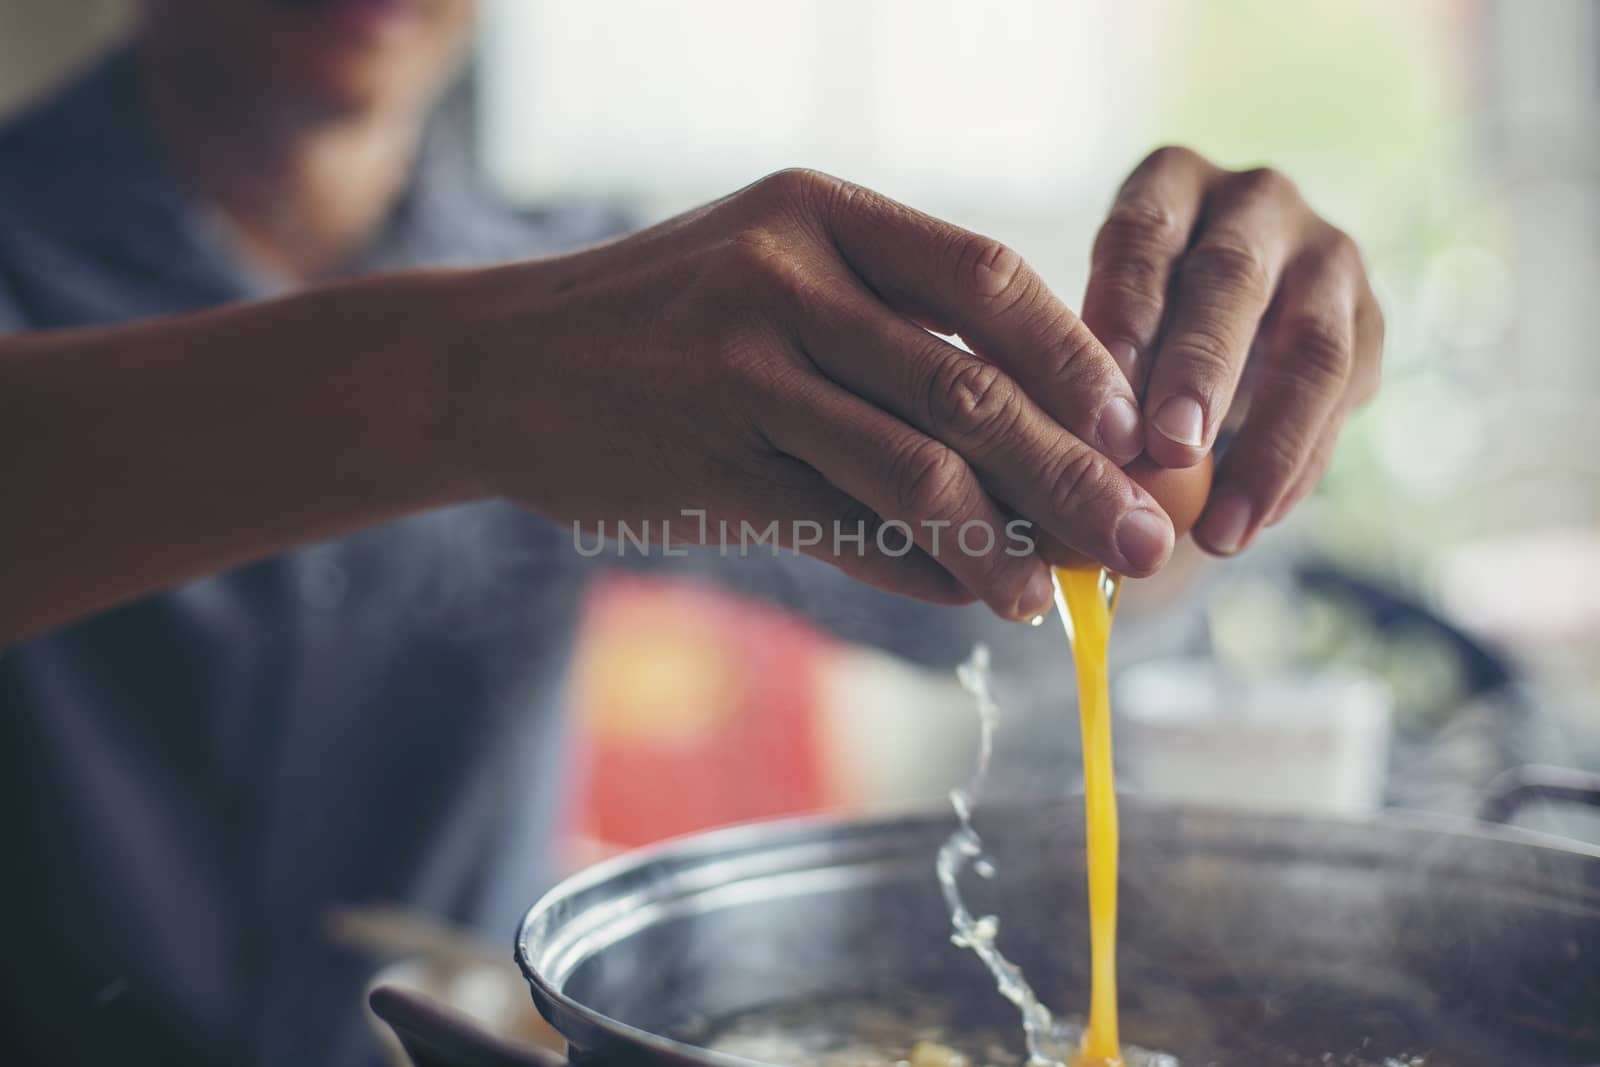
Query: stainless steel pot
1244,940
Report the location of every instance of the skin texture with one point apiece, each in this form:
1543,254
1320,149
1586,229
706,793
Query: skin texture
766,357
737,359
135,458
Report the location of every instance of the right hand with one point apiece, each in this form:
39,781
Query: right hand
767,357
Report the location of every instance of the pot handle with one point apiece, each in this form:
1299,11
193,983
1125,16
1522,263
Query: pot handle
434,1036
1520,786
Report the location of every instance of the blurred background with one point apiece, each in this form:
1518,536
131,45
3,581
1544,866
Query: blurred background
1430,619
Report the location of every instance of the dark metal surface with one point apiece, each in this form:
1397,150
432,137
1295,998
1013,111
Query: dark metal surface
1244,939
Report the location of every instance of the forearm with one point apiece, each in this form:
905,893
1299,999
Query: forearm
135,458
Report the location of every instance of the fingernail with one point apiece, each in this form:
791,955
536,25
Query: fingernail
1181,420
1036,595
1125,355
1144,539
1120,437
1227,521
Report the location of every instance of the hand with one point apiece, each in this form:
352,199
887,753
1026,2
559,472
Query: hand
765,358
1197,267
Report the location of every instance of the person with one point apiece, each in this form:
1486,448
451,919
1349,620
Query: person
293,416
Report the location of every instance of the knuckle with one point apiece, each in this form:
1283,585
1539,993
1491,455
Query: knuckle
993,271
795,183
766,258
972,401
1228,265
753,248
1171,155
1275,460
1138,302
1265,183
1137,279
930,480
1143,222
799,197
1081,476
1133,260
1321,349
1204,351
1073,354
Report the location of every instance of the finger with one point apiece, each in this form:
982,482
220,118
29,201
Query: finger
960,282
1303,381
1315,469
811,516
1223,286
1047,545
1050,548
1047,475
1131,265
1363,384
905,477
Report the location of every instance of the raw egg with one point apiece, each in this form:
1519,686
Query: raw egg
1181,491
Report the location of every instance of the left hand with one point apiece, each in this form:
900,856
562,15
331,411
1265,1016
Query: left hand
1197,267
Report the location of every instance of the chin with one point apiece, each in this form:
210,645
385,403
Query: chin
343,85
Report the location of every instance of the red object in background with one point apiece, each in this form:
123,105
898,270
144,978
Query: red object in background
693,708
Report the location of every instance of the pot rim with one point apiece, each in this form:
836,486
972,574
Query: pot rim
568,1014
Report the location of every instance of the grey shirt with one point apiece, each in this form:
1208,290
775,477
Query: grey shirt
193,779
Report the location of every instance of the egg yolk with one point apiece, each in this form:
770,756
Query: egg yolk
1087,599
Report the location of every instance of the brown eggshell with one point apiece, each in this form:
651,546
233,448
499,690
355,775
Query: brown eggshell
1181,491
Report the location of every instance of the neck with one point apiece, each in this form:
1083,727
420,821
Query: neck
301,192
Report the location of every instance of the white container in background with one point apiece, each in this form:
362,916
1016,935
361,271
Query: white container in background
891,734
1312,741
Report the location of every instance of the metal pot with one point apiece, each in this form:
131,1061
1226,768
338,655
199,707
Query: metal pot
1244,939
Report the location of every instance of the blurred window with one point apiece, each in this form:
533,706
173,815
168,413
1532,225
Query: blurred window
1455,139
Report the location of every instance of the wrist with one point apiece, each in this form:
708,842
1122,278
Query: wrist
401,335
476,354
